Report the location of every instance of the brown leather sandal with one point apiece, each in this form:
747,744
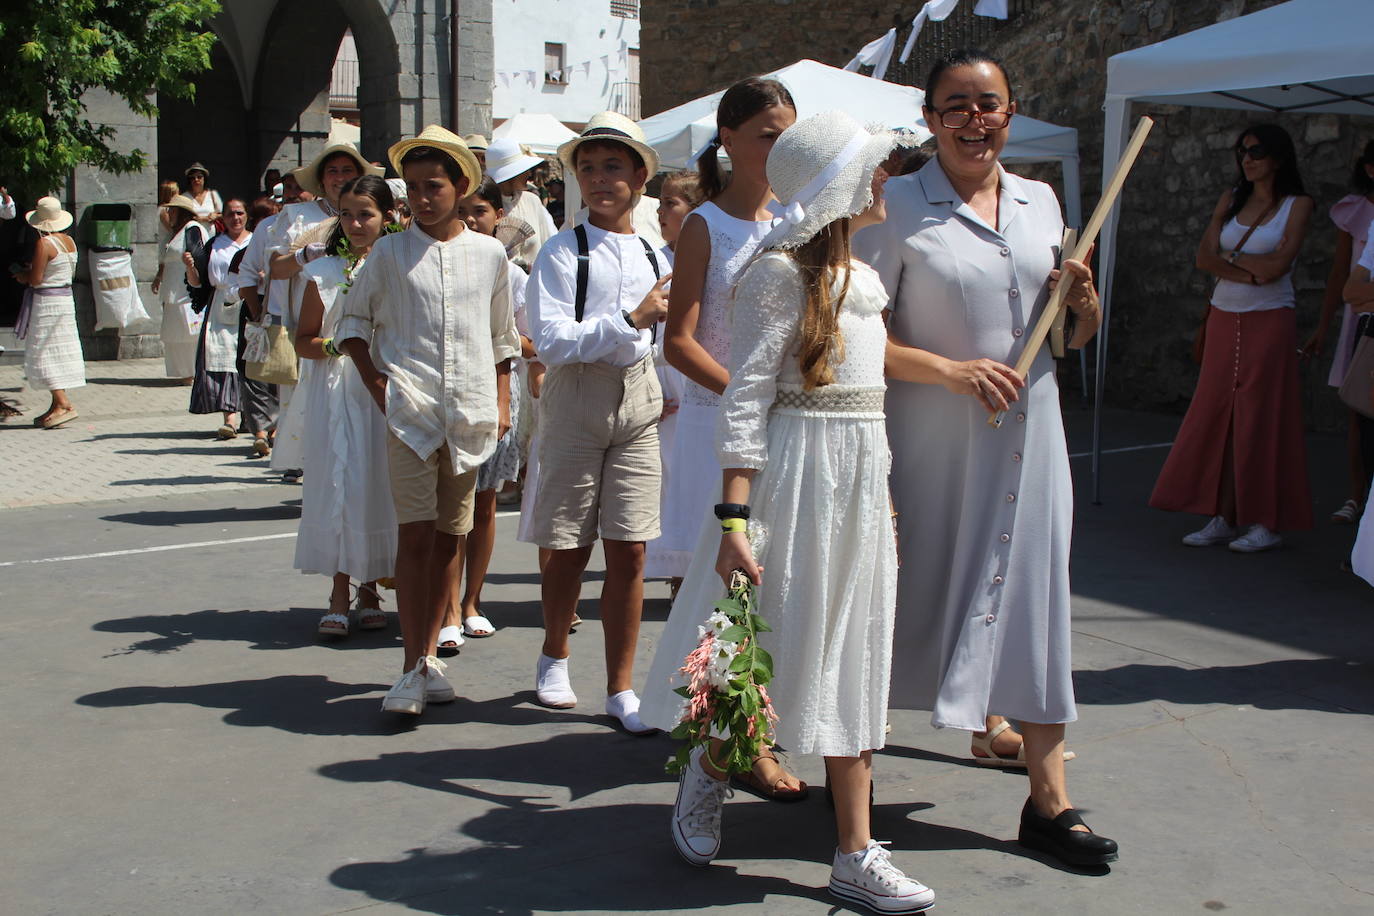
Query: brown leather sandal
778,791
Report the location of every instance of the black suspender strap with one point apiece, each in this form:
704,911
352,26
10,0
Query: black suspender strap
584,265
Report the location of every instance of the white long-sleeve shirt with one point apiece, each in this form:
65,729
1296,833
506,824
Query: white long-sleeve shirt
7,208
619,277
438,318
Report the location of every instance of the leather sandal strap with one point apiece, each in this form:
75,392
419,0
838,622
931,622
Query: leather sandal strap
992,735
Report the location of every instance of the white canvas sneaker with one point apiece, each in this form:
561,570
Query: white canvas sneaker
1256,538
869,878
437,687
408,694
696,813
1215,532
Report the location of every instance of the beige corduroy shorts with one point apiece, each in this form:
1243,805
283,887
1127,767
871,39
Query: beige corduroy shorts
427,489
600,470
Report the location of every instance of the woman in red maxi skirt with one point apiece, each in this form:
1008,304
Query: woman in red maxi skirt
1240,457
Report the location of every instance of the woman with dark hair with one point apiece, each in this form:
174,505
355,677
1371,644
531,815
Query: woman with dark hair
1352,215
180,325
717,240
348,523
216,387
969,256
1240,456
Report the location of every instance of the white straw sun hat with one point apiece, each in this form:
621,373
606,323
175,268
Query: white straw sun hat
821,170
609,125
48,215
506,158
308,176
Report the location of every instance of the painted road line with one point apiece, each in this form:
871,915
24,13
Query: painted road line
165,547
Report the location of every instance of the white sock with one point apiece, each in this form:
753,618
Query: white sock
625,707
552,686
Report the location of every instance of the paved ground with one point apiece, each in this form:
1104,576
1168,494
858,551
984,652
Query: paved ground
177,741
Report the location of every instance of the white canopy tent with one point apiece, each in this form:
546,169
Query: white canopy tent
679,132
1303,56
541,132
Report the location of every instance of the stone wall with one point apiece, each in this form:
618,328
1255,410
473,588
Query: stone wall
1057,55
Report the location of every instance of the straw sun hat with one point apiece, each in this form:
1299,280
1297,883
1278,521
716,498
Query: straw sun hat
821,169
444,140
506,158
308,175
610,125
476,142
184,202
48,215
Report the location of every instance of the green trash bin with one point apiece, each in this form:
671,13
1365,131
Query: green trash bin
110,227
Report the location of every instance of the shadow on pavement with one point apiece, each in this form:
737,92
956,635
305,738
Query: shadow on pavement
286,511
1281,684
141,383
207,434
193,481
289,629
302,704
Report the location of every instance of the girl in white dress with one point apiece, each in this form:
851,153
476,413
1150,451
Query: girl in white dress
348,522
801,431
717,240
464,617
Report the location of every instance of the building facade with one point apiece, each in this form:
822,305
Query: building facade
1057,56
567,58
266,102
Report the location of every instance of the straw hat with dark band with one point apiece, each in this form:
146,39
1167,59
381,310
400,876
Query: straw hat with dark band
611,125
196,167
446,141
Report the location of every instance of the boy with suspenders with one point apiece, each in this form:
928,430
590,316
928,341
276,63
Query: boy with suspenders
595,298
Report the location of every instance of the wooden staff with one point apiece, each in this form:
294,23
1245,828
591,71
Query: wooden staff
1080,253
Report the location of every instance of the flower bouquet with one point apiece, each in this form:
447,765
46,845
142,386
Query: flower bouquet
726,694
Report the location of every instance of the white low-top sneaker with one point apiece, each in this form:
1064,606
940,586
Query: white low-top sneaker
696,813
868,877
408,694
552,685
1255,539
1217,531
437,687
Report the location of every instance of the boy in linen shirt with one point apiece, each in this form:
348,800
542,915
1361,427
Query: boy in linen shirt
599,456
429,325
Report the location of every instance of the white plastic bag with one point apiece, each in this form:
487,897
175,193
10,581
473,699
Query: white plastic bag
115,288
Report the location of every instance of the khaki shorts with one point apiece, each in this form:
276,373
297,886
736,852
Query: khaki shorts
426,489
599,464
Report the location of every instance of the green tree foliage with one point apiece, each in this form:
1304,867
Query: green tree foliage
54,51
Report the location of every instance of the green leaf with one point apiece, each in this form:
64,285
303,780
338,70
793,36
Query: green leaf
741,663
759,624
733,634
684,692
763,666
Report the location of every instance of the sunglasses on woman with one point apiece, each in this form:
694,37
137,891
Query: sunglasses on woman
1255,151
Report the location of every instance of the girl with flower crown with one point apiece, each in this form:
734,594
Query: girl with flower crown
348,523
805,514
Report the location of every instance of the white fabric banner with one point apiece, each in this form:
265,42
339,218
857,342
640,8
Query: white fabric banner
876,54
933,11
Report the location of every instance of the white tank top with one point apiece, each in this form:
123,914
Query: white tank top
733,243
1231,296
61,267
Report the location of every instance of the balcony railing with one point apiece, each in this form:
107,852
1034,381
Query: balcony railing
625,99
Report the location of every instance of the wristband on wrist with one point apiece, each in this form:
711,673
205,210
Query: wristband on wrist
731,525
732,510
330,348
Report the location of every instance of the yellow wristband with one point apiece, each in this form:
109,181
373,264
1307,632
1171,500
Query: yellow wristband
728,525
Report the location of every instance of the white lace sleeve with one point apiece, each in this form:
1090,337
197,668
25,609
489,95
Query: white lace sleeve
767,316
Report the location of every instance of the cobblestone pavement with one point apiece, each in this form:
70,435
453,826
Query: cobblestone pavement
134,438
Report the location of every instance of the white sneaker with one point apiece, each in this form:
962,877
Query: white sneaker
408,694
552,687
1217,531
869,877
624,707
1255,539
437,687
696,813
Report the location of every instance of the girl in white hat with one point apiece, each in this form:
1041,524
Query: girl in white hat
802,443
47,320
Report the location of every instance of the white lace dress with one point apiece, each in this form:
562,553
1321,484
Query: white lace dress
820,526
694,483
348,522
180,325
